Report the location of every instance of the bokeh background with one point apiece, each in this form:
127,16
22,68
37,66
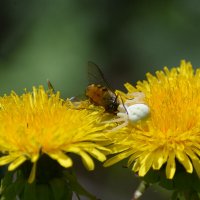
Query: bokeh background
53,40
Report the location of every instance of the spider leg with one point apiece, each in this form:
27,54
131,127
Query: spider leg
125,123
113,120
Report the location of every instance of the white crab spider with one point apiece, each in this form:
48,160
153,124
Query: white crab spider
132,111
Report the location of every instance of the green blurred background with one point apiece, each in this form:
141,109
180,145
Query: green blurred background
53,40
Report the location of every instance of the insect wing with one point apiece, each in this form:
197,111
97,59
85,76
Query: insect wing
78,98
95,75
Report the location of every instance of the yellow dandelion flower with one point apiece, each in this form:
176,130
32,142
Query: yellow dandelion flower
171,134
40,122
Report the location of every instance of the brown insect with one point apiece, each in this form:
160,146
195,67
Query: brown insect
98,90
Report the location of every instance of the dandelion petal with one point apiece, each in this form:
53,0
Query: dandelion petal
7,159
159,158
117,158
87,161
146,165
16,163
196,164
62,158
185,161
171,166
32,174
97,154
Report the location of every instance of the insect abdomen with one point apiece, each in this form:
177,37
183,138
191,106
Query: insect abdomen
96,94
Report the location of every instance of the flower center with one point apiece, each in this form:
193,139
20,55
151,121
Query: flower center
174,105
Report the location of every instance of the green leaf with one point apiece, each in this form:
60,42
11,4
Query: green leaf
183,181
76,186
194,196
177,196
60,189
166,183
43,192
7,179
29,192
19,186
174,195
185,195
151,177
9,193
196,183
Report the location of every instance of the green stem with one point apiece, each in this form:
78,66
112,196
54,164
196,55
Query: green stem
191,195
140,190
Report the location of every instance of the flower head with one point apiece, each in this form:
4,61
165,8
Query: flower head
171,134
40,122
